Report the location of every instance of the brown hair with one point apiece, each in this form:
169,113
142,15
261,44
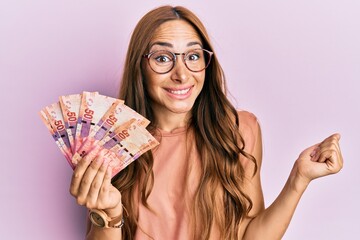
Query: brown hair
216,129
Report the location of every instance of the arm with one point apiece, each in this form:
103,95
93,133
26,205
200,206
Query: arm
91,186
274,220
97,233
319,160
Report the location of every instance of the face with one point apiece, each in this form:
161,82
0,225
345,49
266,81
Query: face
176,91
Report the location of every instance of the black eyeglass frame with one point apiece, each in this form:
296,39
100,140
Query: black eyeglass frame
148,56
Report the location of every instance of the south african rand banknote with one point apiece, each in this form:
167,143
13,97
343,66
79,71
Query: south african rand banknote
70,107
125,144
55,124
93,106
116,115
80,122
131,141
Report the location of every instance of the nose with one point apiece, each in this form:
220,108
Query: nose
180,73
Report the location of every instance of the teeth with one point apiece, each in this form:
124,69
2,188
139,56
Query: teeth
180,92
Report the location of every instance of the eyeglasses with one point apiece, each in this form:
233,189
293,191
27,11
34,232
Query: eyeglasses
163,61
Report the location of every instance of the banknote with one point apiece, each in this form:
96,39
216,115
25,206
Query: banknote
84,118
94,125
97,132
123,113
89,144
58,140
93,107
128,142
135,139
117,115
110,139
54,122
70,106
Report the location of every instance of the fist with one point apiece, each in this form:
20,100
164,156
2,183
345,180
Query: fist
321,159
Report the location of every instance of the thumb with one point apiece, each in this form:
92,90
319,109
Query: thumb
310,151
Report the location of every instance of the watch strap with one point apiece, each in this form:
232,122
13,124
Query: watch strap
116,222
117,225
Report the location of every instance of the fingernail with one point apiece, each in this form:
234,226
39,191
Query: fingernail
106,161
313,152
99,159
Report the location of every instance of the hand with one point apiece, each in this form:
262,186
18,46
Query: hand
91,184
320,160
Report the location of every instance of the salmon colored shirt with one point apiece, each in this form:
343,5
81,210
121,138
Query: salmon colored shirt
176,176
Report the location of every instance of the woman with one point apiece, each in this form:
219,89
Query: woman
203,180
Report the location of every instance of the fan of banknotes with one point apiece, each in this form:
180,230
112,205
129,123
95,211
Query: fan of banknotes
89,121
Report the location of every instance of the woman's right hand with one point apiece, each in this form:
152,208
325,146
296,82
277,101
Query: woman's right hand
91,184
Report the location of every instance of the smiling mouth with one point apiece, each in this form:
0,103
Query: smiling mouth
179,92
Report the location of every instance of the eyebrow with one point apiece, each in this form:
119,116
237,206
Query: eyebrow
166,44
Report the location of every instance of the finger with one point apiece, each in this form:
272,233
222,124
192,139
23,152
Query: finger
88,179
107,178
337,136
332,138
96,185
105,187
332,160
78,175
93,153
79,171
314,151
330,144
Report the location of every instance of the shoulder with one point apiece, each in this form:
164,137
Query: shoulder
247,119
249,128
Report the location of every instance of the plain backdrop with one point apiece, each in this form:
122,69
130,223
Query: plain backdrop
294,64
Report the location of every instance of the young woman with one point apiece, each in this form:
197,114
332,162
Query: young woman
203,180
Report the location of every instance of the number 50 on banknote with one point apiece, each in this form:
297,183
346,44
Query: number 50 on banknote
80,123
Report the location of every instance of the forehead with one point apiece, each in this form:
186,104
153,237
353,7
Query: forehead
176,33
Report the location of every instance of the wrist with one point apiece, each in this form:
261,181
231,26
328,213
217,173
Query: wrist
298,182
115,211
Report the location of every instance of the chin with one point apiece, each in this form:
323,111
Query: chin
181,110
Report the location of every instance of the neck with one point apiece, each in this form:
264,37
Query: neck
169,122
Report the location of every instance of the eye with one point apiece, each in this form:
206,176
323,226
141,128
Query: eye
193,56
162,59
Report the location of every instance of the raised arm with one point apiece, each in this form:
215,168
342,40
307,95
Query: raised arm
316,161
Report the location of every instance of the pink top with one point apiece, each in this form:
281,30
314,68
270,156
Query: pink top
176,175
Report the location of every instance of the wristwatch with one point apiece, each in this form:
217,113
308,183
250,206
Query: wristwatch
100,219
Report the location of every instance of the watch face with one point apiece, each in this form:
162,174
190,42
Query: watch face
97,219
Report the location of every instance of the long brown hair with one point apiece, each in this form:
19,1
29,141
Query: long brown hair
216,129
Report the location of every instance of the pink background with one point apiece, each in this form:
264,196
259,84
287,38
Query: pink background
295,64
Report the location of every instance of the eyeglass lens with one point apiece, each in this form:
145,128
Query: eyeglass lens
163,61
